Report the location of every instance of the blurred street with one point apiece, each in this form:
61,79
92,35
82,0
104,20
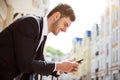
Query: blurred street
99,47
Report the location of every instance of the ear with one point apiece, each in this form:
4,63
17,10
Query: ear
57,15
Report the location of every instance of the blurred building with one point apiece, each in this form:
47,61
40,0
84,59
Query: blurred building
105,47
76,54
77,43
81,50
10,10
114,6
95,51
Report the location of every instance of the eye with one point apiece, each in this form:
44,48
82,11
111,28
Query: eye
66,24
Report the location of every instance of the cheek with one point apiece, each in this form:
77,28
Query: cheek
58,26
58,29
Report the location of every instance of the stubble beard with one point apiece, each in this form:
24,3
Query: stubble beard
55,27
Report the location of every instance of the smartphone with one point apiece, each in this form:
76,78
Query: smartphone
79,61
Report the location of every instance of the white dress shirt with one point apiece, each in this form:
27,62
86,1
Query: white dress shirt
45,32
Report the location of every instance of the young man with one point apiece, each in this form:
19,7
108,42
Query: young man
22,44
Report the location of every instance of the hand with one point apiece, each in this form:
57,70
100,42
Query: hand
67,66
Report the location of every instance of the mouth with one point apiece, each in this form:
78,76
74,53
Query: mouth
58,31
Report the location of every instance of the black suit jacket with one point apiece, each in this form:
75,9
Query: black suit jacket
18,43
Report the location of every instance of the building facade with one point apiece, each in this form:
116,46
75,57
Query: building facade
106,64
81,50
10,10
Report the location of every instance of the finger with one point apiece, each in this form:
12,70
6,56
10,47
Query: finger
71,60
75,64
73,71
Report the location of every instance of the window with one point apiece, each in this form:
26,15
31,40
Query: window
113,56
107,68
117,35
116,55
107,49
115,76
97,53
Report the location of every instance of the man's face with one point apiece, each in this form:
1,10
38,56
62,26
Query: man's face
61,25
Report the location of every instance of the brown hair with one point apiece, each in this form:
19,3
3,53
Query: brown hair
65,10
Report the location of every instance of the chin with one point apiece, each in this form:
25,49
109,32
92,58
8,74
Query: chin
55,34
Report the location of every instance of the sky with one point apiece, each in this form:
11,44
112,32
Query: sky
88,13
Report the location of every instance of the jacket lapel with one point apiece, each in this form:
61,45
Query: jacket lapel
40,25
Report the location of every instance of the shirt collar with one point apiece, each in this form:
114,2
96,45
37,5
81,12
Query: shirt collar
45,26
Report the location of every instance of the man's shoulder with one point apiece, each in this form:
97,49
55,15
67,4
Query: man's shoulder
28,17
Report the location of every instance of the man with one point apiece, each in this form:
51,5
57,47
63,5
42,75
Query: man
21,44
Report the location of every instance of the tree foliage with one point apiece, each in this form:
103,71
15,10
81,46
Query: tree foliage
53,51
